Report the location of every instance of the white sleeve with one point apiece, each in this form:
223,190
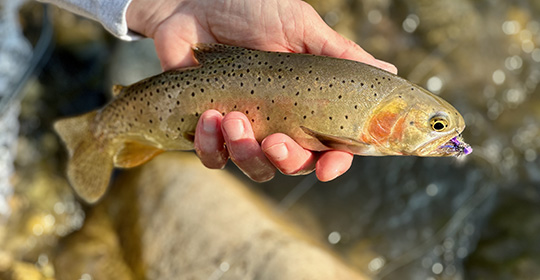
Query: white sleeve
110,13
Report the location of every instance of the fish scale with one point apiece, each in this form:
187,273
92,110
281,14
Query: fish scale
321,102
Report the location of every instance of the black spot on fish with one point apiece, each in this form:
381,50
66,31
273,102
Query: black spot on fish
361,84
412,88
150,121
192,94
305,117
341,127
252,91
295,103
330,118
284,118
339,97
169,96
211,100
346,117
150,130
411,123
267,118
375,94
177,102
182,119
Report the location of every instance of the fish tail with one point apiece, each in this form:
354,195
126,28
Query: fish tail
90,160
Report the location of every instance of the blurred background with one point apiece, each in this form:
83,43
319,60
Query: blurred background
475,217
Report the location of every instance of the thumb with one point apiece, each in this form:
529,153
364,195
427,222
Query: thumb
320,39
174,48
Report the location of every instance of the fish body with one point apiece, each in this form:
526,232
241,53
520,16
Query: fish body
321,102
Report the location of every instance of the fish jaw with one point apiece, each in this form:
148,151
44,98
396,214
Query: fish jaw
451,144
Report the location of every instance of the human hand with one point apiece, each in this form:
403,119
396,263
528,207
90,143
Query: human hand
285,25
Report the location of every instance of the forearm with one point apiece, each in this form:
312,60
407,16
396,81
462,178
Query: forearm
110,13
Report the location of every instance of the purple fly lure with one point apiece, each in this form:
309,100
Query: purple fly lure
456,145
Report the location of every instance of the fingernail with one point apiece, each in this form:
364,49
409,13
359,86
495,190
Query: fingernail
387,66
278,151
234,129
209,125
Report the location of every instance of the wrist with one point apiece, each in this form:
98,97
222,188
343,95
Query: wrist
144,16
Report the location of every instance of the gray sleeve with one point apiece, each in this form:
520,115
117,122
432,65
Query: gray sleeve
110,13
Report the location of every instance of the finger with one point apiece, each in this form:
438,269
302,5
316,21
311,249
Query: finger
320,39
289,157
332,164
244,150
209,143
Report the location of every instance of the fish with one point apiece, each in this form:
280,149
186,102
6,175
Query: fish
323,103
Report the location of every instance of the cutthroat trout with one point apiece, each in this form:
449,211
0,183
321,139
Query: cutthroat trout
321,102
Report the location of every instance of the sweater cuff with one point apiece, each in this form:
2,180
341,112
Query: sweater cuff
110,13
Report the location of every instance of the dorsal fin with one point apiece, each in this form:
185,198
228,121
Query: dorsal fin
117,90
209,53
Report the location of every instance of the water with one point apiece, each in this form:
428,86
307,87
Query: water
391,217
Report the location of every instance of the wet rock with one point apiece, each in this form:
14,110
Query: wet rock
176,219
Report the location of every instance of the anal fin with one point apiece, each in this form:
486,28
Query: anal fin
133,154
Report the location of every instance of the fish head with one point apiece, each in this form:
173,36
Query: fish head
413,121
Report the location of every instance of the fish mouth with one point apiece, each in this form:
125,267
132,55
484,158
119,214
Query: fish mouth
447,145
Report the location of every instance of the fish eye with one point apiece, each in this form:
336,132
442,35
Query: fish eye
438,123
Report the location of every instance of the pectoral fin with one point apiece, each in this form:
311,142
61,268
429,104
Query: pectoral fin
338,142
132,154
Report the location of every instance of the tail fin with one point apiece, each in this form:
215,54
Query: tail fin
90,162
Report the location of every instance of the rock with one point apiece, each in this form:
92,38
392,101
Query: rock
175,218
